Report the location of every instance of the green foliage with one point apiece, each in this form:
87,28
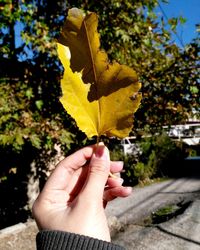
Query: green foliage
140,171
21,122
165,210
116,153
158,157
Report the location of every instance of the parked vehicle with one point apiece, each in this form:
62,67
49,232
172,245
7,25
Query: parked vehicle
129,146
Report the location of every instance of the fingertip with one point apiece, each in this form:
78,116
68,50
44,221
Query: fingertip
114,182
127,190
116,166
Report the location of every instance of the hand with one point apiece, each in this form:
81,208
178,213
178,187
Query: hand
75,195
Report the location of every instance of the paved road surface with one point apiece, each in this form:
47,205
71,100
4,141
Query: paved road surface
144,201
181,233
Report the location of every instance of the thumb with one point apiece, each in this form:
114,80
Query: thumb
99,168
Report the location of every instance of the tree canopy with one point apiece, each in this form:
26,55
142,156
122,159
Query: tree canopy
131,32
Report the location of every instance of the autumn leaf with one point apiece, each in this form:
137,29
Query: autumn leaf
100,96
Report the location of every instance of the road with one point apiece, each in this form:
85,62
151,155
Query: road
179,233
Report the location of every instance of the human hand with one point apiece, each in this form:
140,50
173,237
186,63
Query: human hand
74,197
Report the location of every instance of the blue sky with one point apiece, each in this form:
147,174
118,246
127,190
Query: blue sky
189,9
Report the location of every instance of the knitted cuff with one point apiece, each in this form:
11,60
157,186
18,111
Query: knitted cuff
49,240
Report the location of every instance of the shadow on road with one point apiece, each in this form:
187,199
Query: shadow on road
147,198
177,236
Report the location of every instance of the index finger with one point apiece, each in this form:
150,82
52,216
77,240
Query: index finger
62,174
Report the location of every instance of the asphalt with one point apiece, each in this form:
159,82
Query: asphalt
180,233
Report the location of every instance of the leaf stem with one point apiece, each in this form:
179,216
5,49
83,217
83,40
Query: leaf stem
98,140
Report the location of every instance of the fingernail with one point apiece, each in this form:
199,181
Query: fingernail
101,151
120,163
129,189
120,180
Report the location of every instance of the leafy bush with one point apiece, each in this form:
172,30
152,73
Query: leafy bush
145,171
160,157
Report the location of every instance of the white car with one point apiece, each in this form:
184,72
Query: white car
129,146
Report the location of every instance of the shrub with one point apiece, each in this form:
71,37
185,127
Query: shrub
160,157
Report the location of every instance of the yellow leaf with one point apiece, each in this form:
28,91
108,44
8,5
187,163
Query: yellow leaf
74,97
100,96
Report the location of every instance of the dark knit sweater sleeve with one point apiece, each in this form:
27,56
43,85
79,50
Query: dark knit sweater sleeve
58,240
